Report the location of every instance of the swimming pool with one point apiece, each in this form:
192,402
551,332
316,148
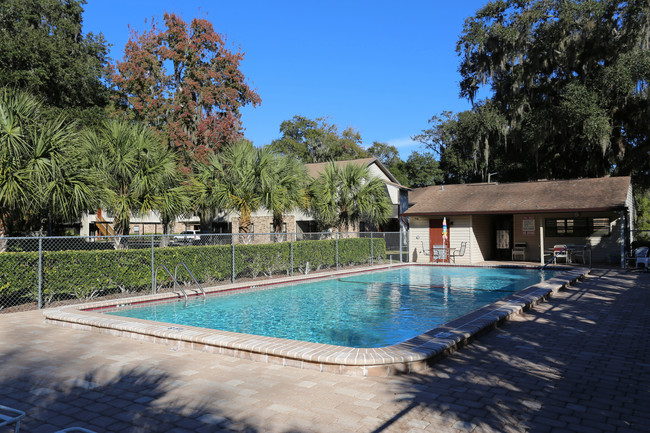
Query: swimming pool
368,310
414,354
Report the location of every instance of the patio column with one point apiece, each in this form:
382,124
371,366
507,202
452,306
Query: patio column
621,215
541,240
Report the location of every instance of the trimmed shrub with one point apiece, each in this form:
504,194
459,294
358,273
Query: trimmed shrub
88,274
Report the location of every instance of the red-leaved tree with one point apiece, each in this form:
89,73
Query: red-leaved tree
183,81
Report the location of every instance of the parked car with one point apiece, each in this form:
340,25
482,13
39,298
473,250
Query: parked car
188,237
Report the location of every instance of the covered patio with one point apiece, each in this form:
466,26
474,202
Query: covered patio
581,221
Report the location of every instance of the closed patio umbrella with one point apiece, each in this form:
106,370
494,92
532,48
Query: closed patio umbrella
444,234
444,230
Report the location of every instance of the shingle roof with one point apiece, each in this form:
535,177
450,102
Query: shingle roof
606,193
316,168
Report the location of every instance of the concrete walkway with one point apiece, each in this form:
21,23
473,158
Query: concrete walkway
580,363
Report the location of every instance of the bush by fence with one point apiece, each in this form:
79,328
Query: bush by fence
46,276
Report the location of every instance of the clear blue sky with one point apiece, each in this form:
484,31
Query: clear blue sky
382,67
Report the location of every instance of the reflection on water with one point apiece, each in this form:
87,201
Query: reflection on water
365,310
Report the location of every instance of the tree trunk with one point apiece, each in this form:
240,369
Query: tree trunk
244,222
121,229
277,227
167,228
205,221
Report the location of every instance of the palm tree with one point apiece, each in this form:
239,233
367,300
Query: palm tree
42,176
16,110
343,197
243,179
139,171
232,181
204,182
284,188
174,200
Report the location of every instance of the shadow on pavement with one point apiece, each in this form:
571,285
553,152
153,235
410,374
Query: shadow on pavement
580,362
134,400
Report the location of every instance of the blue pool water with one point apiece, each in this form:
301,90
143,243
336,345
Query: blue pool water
363,310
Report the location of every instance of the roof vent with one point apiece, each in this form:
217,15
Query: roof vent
442,187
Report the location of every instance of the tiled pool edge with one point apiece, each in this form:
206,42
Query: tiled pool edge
415,354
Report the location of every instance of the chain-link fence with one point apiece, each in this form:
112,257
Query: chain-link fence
42,271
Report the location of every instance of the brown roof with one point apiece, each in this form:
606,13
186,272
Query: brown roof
316,168
606,193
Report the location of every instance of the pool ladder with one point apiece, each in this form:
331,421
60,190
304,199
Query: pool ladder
175,279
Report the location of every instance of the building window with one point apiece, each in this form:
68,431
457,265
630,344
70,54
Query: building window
601,226
577,227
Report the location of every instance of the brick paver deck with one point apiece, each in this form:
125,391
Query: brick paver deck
579,362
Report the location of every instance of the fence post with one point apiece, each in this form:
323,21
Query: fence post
153,269
408,248
40,273
400,245
232,241
337,249
372,250
292,237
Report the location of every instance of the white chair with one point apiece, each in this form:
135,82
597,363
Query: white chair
9,416
641,255
439,253
519,251
560,252
461,252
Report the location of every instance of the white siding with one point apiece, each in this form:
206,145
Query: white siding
482,233
393,193
377,172
419,240
460,230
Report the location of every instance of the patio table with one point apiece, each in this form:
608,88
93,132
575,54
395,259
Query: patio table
578,251
573,253
442,253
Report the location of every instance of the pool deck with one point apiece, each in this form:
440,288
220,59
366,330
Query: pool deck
410,356
578,362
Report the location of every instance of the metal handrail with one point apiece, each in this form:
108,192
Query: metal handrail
555,255
170,276
191,275
14,417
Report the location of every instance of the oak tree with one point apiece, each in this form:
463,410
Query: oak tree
316,140
44,51
570,79
183,79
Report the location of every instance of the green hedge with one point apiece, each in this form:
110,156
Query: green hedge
87,274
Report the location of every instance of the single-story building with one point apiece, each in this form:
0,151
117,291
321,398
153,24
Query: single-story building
490,219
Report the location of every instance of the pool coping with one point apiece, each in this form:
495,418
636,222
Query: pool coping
415,354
